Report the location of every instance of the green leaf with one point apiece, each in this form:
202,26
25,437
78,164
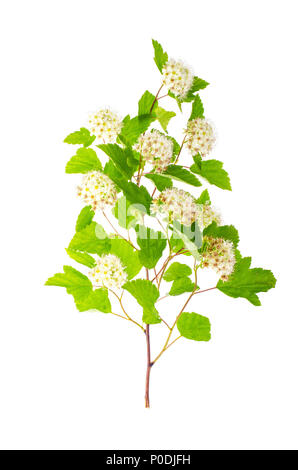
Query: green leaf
146,103
85,218
137,195
146,295
160,57
133,128
125,212
180,286
194,326
198,84
179,173
214,173
190,236
80,287
120,157
177,271
115,175
151,245
92,239
75,282
81,137
82,258
197,109
164,117
85,160
227,232
161,182
204,198
128,256
245,282
97,299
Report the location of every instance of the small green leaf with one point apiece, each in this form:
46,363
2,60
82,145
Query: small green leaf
190,236
164,117
177,271
198,84
161,182
227,232
160,57
194,326
151,245
213,172
85,160
81,137
197,109
128,256
85,218
180,286
179,173
81,257
146,102
245,282
133,128
146,295
120,158
204,198
97,299
92,239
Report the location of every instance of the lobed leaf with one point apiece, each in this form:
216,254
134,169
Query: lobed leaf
227,232
146,294
81,137
151,245
160,57
84,161
92,239
177,271
245,282
182,285
213,172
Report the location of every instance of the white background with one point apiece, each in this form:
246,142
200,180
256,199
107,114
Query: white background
76,381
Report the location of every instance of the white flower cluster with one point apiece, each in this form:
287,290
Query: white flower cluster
208,215
176,204
199,137
155,148
97,190
177,78
108,272
219,255
106,125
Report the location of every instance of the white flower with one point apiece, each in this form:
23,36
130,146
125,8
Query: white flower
155,148
199,137
108,272
219,255
106,125
98,190
177,78
176,204
207,216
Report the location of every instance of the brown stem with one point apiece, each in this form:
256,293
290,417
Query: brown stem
177,158
149,365
155,99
